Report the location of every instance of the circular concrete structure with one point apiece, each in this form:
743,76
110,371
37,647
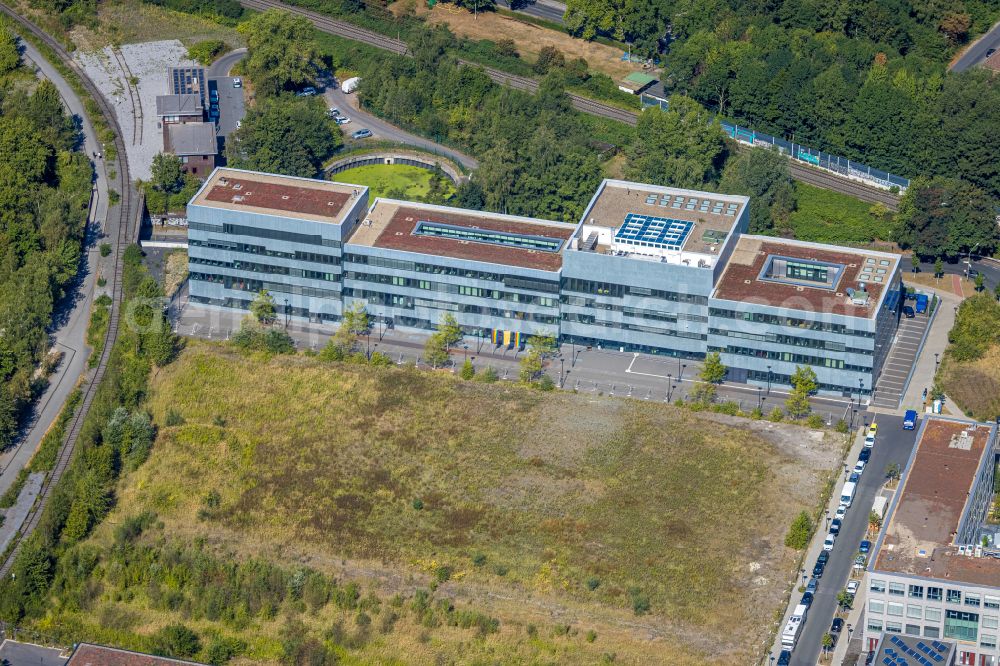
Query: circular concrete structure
405,157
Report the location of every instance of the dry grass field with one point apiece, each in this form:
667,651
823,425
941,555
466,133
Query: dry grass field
974,386
560,515
529,38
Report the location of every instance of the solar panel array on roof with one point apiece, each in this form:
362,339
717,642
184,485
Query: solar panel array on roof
187,80
906,654
655,232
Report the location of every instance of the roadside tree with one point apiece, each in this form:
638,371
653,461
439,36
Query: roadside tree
262,307
803,385
281,52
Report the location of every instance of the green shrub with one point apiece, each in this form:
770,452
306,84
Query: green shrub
640,602
776,415
207,51
173,418
816,421
176,640
489,375
800,532
468,371
105,249
591,635
593,583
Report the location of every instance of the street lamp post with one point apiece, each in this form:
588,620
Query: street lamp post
368,345
562,374
861,389
381,326
286,313
465,352
680,378
669,390
760,400
769,381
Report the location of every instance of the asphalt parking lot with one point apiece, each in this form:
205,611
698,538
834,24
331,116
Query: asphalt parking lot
231,105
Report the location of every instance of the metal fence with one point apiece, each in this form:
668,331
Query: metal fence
834,163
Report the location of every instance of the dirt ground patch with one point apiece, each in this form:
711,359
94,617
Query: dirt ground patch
175,271
529,38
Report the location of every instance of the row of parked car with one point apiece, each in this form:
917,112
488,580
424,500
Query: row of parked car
836,524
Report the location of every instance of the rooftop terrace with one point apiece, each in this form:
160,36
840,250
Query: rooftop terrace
918,539
301,198
659,222
463,234
806,276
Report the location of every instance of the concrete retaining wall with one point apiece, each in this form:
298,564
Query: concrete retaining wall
409,158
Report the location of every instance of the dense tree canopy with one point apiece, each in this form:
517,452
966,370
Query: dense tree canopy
763,176
288,135
281,52
44,194
680,147
945,218
535,154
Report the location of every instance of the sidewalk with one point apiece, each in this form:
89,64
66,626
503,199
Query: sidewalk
584,369
816,544
933,351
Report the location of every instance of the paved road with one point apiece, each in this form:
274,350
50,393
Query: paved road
550,10
69,328
893,444
977,52
348,105
990,269
607,371
224,65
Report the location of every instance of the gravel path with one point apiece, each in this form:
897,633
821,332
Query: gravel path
147,62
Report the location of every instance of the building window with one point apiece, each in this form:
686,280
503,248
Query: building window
954,596
915,612
971,599
961,625
932,614
991,602
893,628
916,591
874,625
913,630
894,609
876,607
932,632
934,594
988,641
877,585
989,622
897,589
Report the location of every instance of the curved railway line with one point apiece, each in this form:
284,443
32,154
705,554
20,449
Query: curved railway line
126,218
133,94
349,31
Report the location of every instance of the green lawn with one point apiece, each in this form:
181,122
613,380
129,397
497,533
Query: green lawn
397,181
830,217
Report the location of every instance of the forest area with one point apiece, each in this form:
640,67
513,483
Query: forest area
45,185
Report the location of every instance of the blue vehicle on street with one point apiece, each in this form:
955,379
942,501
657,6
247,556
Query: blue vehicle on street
921,303
910,419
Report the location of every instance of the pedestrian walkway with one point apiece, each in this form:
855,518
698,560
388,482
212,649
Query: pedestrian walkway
899,365
932,352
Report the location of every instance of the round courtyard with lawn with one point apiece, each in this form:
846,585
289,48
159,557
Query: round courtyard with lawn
399,181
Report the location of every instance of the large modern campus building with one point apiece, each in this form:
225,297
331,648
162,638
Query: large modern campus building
930,576
648,269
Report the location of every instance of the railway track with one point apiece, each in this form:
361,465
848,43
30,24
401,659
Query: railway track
133,93
582,104
126,217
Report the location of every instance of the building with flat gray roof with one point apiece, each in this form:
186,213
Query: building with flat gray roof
647,269
930,574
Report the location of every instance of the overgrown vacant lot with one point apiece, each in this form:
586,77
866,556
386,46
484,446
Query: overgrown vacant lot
543,510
